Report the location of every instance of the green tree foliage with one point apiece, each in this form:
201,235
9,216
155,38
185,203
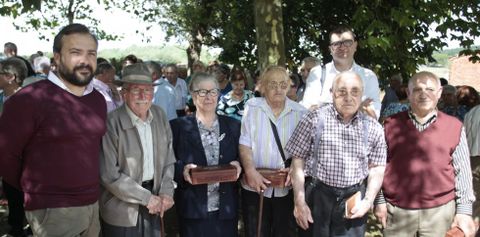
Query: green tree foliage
394,36
46,16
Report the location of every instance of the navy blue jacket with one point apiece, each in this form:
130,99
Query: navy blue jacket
191,200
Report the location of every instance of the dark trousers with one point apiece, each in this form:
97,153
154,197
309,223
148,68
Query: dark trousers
277,218
327,205
16,213
212,226
147,224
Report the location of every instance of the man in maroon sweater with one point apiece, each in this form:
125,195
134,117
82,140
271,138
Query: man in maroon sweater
50,136
427,187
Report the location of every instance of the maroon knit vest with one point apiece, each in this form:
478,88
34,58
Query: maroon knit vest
419,172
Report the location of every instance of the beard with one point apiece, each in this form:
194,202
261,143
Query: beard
74,77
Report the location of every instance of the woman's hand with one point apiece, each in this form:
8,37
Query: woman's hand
186,172
237,166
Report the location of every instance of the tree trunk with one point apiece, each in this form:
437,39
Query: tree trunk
71,12
194,47
269,29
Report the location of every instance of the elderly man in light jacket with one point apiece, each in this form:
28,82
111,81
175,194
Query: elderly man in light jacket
136,163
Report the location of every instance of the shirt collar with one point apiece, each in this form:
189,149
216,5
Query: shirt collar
57,81
100,85
288,107
137,120
414,118
353,68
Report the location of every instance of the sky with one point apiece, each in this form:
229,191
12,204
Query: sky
114,22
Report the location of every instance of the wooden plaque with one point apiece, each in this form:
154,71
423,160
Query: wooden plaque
455,232
351,202
275,176
213,174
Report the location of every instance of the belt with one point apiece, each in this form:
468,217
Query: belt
339,192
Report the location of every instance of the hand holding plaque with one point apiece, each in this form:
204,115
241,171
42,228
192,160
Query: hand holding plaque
213,174
277,177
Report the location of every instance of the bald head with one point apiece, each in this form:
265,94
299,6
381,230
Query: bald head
347,91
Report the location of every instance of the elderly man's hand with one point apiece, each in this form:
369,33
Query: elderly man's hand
367,108
302,214
153,204
165,204
380,211
465,223
255,180
360,209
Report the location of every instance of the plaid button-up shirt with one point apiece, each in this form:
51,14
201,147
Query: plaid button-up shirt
345,151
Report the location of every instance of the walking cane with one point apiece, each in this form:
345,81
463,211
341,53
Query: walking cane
162,225
260,213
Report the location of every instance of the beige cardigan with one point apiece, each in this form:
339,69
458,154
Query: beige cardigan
121,164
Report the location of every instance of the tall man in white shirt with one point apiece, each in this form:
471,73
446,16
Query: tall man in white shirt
343,46
171,74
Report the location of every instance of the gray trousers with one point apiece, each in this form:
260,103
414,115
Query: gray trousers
80,221
431,222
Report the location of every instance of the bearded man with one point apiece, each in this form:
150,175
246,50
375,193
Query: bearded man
50,137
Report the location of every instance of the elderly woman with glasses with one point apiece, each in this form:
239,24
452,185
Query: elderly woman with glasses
205,139
267,124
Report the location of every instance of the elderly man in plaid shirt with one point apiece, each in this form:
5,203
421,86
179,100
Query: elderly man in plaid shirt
337,151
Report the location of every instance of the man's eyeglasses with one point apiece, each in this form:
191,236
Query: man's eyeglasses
137,91
273,85
344,92
346,43
203,92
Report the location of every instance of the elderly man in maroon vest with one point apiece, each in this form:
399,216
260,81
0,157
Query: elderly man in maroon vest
427,188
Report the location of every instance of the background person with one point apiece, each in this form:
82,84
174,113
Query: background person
233,103
343,46
12,73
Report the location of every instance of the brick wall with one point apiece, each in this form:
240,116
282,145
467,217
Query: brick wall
464,72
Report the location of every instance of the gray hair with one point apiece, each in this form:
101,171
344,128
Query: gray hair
103,67
200,77
313,61
11,46
15,67
422,74
341,75
154,67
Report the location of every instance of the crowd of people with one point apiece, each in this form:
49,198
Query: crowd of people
89,150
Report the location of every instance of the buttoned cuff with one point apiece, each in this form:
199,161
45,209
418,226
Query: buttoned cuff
463,208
